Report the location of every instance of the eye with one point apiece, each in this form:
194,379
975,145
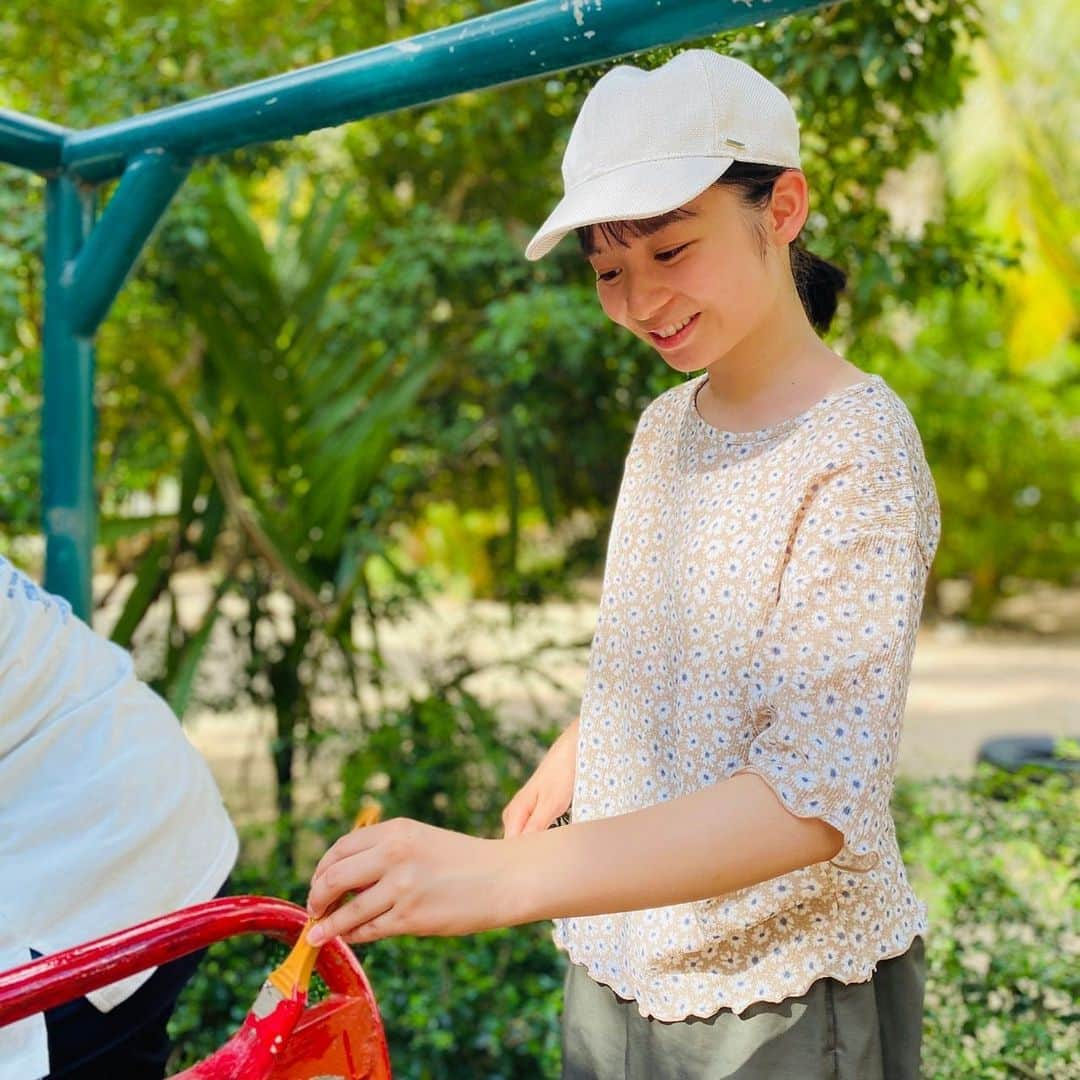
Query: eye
666,256
607,275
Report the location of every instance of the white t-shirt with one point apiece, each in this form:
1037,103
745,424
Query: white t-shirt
108,815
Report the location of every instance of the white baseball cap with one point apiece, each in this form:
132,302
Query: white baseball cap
647,142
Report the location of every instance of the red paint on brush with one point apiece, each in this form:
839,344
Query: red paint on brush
252,1052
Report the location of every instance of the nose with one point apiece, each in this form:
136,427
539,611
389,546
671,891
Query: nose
645,297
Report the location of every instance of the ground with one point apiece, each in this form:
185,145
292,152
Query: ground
967,686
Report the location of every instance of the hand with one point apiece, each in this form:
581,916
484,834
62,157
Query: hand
547,793
410,878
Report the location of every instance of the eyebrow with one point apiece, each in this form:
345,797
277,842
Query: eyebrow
620,232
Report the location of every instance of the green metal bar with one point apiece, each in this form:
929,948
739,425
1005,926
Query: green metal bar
99,271
67,423
524,41
30,143
86,267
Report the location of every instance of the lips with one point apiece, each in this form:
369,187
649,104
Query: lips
677,338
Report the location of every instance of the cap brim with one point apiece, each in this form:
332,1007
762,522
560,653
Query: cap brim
643,190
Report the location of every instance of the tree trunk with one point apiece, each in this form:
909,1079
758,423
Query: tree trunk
289,708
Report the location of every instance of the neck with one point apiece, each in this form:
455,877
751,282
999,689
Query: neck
772,356
778,370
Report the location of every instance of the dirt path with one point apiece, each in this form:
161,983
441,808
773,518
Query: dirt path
965,688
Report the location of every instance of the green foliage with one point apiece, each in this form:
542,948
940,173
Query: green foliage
442,759
484,1006
1009,152
869,82
289,428
1001,444
301,398
995,858
518,361
21,233
996,861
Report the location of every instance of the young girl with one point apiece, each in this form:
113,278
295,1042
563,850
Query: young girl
730,893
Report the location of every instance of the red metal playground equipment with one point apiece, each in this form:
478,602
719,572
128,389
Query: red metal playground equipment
86,264
341,1037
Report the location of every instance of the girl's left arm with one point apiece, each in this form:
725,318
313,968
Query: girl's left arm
412,878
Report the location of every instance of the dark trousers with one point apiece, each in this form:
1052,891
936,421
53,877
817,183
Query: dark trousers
130,1042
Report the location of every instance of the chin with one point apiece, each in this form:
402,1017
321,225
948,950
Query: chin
685,364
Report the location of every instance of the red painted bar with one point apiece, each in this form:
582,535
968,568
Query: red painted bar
52,980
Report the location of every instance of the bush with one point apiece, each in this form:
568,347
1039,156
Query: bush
482,1006
993,857
443,759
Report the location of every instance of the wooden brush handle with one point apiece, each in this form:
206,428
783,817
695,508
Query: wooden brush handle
295,970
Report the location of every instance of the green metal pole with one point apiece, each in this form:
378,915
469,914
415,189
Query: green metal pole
531,39
85,267
67,423
112,249
30,143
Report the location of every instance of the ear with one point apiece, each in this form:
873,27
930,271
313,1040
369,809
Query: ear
789,205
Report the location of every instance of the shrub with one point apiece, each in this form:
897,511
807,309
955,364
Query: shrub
483,1006
994,857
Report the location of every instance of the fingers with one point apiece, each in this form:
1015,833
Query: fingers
540,820
530,812
339,876
518,811
544,815
350,844
378,928
356,920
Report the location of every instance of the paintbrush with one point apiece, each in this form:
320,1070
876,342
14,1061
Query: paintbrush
250,1053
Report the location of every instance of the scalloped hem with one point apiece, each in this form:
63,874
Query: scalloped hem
741,1004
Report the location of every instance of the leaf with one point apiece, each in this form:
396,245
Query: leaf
150,578
180,685
111,529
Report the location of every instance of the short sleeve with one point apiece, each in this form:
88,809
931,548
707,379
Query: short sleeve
829,677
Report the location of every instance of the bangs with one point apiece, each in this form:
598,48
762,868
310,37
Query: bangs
620,233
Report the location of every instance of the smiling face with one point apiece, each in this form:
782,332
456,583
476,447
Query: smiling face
697,286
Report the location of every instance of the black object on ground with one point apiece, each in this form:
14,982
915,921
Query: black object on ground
1032,752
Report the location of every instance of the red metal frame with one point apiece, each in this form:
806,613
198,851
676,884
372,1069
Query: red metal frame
52,980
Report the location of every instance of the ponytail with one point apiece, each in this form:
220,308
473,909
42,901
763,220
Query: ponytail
819,285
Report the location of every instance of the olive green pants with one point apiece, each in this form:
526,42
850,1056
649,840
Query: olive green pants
866,1031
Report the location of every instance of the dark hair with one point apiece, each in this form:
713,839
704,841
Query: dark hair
818,282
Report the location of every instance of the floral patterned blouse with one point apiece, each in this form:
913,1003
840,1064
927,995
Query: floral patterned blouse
761,596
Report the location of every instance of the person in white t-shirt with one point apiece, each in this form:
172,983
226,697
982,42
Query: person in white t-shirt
108,817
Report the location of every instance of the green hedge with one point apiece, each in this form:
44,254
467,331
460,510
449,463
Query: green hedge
996,861
994,858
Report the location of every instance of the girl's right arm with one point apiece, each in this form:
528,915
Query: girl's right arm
547,793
